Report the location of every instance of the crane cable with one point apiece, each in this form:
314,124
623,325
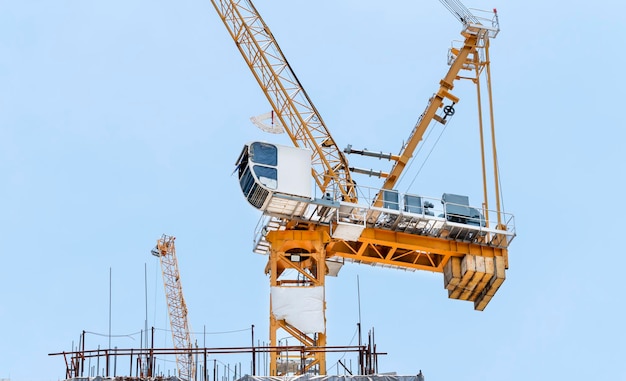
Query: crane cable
412,160
497,166
356,331
460,11
209,333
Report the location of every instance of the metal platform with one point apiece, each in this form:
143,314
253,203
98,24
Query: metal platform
347,220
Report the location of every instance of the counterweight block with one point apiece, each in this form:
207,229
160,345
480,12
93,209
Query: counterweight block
474,278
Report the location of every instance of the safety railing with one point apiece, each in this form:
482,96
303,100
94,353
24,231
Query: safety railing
402,212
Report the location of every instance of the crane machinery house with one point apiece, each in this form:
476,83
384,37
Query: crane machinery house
275,179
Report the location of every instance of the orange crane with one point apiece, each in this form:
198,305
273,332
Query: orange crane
310,234
177,309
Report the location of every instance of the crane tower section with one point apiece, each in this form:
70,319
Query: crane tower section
177,309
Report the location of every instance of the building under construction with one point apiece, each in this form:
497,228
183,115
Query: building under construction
216,364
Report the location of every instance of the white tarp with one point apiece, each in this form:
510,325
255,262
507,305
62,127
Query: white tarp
301,307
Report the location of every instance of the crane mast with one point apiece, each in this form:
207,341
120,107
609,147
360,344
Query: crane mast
308,238
177,309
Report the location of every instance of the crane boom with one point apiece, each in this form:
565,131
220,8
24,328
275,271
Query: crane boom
287,97
181,331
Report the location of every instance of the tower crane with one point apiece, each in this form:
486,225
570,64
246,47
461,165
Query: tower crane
177,309
310,234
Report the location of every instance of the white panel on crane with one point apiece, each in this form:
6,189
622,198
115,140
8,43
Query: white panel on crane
294,171
301,307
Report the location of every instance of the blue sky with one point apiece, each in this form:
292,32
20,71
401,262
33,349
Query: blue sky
122,120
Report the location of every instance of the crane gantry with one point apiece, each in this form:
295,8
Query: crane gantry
165,250
307,237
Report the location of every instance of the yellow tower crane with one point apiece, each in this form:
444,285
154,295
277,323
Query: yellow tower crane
177,309
309,234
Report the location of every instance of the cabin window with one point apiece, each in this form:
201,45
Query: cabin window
264,153
246,180
267,176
